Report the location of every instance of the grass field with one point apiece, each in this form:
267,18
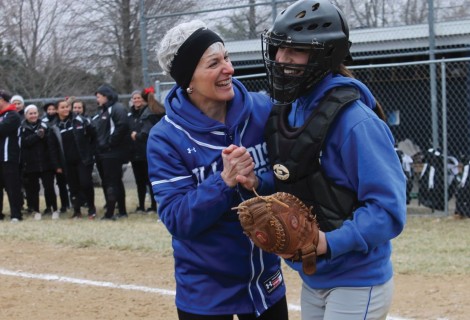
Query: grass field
431,261
429,244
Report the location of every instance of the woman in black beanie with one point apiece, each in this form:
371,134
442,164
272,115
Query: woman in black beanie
112,147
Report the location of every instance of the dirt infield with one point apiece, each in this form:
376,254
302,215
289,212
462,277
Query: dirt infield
28,289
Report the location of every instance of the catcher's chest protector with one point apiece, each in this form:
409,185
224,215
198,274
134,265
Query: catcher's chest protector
295,156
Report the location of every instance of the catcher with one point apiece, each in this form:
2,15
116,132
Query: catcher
329,146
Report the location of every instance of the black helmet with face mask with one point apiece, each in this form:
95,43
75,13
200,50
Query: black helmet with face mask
314,26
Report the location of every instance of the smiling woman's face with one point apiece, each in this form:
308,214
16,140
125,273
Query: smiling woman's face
63,110
32,115
212,79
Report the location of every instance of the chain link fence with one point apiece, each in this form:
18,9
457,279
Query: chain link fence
430,123
427,102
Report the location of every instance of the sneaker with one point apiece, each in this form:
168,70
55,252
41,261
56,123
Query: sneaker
37,216
150,211
139,210
47,211
91,216
122,215
55,215
76,216
15,220
112,218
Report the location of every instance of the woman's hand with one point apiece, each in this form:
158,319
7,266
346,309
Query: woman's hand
238,167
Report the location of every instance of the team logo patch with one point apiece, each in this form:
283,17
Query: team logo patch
274,282
281,172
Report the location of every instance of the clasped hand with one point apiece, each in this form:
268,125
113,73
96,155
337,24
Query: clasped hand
238,167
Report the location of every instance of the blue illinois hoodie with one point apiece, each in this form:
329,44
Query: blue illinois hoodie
358,154
217,268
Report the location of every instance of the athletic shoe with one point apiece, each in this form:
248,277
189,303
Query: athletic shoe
76,216
139,210
113,218
15,220
55,215
150,211
122,215
37,216
91,216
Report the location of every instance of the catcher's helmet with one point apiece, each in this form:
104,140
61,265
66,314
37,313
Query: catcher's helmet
315,26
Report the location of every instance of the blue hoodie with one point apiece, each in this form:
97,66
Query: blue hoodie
358,154
217,268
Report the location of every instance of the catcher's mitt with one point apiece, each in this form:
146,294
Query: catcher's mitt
282,224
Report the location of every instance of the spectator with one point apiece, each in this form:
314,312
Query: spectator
10,180
195,166
50,112
142,119
112,147
50,118
79,107
18,101
50,115
76,136
36,160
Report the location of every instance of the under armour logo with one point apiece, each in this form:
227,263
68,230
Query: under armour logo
191,150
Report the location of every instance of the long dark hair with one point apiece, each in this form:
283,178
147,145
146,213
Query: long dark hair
344,71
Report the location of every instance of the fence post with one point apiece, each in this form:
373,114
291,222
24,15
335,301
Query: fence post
158,90
143,43
444,137
432,76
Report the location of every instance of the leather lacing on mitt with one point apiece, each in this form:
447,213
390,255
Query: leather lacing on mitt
281,224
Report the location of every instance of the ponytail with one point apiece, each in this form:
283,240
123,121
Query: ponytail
154,105
379,111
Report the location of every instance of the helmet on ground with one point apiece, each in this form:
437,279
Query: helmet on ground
314,26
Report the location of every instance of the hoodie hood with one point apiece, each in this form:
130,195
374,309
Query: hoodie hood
181,111
109,92
303,106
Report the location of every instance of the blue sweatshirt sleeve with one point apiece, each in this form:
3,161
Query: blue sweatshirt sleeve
184,206
372,169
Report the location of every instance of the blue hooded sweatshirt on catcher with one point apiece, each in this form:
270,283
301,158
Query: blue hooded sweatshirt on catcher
358,154
217,268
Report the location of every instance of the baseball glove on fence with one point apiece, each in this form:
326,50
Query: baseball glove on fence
282,224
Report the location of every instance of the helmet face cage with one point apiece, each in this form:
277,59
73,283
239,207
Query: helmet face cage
315,26
288,81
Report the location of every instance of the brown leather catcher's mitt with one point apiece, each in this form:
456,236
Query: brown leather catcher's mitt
282,224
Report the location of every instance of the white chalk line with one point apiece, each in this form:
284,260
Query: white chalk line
107,284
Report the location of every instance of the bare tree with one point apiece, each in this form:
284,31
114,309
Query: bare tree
246,23
42,45
416,11
114,29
